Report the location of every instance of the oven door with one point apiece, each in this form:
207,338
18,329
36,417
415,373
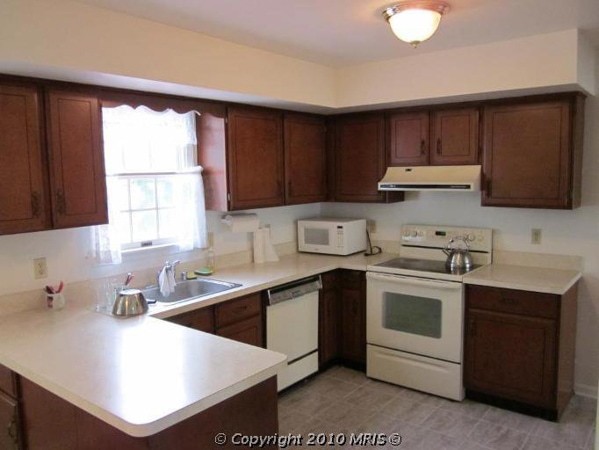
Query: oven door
415,315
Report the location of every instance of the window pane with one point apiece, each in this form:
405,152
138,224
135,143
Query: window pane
143,193
167,220
145,227
166,192
124,225
122,200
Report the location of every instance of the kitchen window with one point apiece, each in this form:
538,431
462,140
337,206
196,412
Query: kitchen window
154,183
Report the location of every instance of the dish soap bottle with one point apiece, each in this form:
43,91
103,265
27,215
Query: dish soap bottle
211,260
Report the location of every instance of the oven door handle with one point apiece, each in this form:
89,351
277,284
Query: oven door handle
399,279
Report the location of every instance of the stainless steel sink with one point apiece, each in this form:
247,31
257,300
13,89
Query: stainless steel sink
189,290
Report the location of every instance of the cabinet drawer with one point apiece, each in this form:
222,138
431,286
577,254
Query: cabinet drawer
513,301
7,381
201,319
236,310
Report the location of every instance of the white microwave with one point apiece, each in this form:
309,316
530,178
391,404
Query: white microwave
331,236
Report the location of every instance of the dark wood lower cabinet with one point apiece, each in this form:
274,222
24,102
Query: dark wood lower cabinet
10,431
342,319
519,349
240,319
329,320
53,423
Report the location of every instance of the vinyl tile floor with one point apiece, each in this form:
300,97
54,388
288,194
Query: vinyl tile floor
335,406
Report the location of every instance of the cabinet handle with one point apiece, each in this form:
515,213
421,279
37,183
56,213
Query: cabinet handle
289,188
509,300
473,328
438,146
240,309
12,430
35,204
61,205
422,149
488,189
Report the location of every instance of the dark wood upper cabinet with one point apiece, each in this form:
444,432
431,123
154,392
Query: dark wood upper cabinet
77,176
360,159
409,139
437,137
454,137
305,159
255,158
533,153
23,194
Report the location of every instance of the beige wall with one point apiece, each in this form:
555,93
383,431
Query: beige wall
65,39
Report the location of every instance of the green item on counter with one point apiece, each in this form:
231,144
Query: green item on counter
191,276
203,271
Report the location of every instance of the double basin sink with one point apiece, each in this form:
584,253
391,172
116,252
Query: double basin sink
188,290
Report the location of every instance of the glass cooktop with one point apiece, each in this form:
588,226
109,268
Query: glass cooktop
423,265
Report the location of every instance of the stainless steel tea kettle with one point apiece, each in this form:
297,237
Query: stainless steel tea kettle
458,258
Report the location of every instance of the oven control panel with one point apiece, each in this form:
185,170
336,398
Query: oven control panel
479,239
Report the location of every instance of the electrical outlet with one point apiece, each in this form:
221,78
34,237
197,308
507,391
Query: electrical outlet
371,226
535,236
40,269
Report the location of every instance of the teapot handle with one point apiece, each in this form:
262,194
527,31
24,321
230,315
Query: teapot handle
447,249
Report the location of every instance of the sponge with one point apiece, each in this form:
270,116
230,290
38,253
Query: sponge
203,271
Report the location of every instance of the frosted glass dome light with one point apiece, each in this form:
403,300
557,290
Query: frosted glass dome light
415,21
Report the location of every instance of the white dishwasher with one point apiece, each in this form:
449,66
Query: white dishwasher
292,328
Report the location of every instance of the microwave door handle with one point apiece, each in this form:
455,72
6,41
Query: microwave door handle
413,281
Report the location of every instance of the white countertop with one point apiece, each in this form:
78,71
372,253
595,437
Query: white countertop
122,370
142,374
525,278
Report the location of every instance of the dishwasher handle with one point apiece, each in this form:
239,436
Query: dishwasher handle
294,289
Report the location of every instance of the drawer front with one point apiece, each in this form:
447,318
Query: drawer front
200,319
237,310
513,301
7,381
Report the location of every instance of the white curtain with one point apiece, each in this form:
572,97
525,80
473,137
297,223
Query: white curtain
139,141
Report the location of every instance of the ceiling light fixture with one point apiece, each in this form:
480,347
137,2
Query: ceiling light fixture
415,21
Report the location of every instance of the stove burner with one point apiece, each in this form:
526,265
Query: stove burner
424,265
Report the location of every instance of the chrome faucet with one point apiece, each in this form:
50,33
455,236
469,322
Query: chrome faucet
168,267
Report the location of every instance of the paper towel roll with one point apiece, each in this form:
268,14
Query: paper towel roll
242,223
264,251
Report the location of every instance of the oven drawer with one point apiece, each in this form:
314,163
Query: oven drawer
513,301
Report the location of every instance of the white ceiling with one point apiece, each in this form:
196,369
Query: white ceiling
345,32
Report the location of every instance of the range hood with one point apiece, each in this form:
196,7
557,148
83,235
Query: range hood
431,178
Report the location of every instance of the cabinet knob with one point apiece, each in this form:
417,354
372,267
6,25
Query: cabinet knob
422,147
438,146
509,300
12,430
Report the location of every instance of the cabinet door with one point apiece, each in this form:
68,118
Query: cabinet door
527,155
329,312
255,154
408,139
305,159
77,177
353,316
359,158
492,365
10,432
248,331
454,137
23,200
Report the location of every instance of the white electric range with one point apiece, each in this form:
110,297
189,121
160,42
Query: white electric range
415,310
